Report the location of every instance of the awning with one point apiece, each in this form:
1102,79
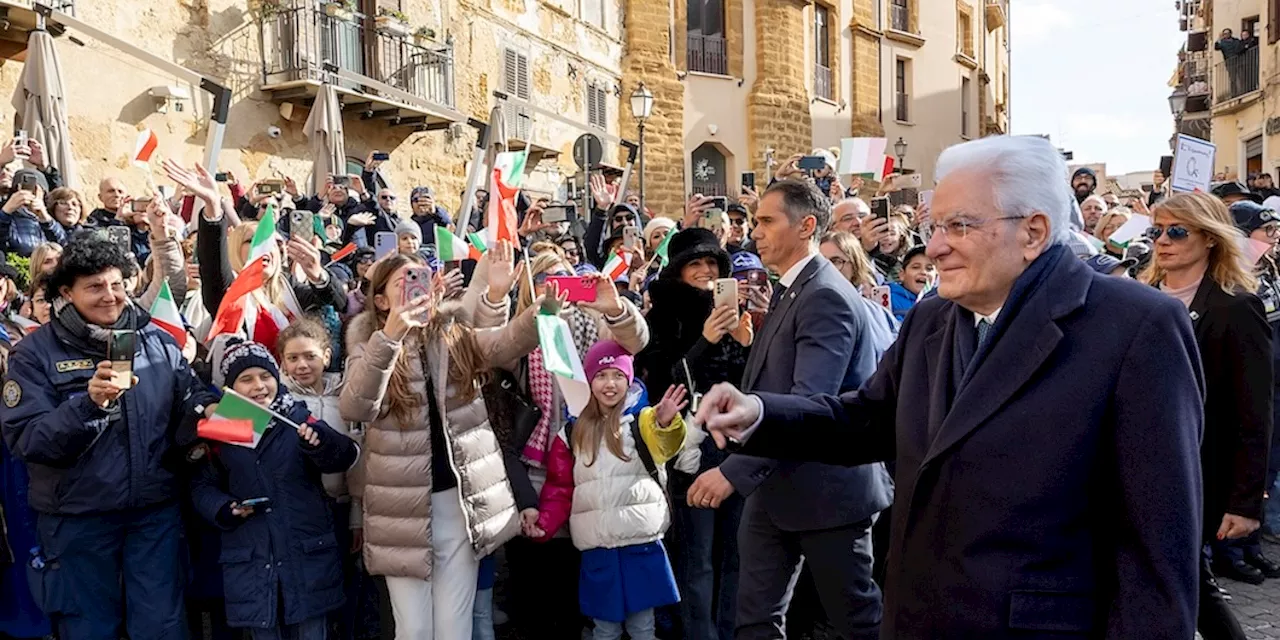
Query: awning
41,103
328,146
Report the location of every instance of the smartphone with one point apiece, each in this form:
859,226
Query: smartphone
712,219
120,350
20,138
341,180
381,156
631,237
880,207
139,205
1166,166
555,213
720,202
222,176
417,283
302,225
270,187
749,180
384,244
909,181
880,296
120,235
811,163
254,502
925,198
726,293
759,280
580,289
28,183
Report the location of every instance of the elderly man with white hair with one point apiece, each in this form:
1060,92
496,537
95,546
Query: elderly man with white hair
1045,420
848,214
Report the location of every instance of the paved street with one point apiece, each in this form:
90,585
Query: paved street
1258,607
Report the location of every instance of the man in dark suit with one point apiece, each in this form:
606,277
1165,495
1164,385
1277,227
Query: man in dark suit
815,339
1046,423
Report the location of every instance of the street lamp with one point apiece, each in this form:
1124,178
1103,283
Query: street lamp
1178,101
642,108
900,150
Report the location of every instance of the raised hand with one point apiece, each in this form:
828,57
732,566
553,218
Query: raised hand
196,181
673,402
451,284
749,198
551,302
503,273
607,301
36,154
401,319
744,333
306,256
361,219
788,168
694,207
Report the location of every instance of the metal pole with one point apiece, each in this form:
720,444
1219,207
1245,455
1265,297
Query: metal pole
642,208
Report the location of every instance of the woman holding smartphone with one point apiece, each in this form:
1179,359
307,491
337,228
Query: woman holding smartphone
432,481
698,342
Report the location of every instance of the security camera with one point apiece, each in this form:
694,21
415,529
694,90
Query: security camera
273,131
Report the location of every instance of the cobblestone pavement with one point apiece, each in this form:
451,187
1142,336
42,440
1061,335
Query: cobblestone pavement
1258,607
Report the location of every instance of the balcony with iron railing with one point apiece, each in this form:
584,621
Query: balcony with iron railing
706,54
19,19
1236,76
822,82
401,77
899,18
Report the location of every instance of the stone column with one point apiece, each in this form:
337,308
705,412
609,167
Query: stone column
648,60
778,105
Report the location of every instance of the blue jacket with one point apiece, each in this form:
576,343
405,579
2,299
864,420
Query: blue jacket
288,547
901,299
85,459
22,233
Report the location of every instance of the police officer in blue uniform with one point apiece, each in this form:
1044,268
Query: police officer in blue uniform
99,447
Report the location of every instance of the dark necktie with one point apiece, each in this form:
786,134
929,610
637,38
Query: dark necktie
779,290
984,329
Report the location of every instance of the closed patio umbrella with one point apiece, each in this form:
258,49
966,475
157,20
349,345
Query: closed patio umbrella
324,128
41,103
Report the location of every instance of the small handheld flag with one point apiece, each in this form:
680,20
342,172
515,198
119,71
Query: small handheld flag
237,420
164,314
146,145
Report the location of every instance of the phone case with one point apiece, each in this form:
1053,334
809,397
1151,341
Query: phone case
120,351
631,237
880,296
579,289
417,283
384,244
726,293
301,225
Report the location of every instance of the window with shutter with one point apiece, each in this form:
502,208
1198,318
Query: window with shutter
597,109
515,81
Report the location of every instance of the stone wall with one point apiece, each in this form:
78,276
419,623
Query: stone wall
648,60
865,101
778,106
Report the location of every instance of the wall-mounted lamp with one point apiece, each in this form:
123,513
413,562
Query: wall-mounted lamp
169,97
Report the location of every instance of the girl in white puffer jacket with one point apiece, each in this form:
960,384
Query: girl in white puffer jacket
605,477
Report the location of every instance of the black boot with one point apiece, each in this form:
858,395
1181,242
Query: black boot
1263,564
1239,570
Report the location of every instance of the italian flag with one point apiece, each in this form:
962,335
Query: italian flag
560,357
164,314
618,264
477,241
508,175
260,320
238,420
451,248
661,252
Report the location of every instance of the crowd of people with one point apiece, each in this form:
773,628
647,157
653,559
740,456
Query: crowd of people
421,447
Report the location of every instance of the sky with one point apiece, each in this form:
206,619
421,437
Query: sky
1093,75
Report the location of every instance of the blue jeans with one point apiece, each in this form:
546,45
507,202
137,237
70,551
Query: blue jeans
482,616
113,574
309,629
639,627
705,560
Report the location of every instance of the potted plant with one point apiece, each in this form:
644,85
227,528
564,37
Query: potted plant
268,9
341,9
392,23
424,36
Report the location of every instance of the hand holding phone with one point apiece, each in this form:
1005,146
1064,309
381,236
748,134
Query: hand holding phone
880,207
726,293
302,225
577,288
631,237
417,283
254,502
120,350
384,244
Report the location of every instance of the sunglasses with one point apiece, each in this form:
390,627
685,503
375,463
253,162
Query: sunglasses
386,197
541,278
626,218
1176,232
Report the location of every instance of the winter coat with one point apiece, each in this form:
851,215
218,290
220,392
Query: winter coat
324,406
901,299
84,459
21,232
614,502
287,548
169,266
394,475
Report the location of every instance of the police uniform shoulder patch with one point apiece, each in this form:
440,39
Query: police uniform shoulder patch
12,393
74,365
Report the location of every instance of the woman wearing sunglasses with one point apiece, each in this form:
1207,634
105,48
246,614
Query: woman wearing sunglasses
1199,261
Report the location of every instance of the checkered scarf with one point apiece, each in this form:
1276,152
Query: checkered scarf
542,387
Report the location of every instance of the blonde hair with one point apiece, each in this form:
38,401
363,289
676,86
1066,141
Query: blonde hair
236,238
538,265
863,272
467,368
38,256
596,425
1118,212
1210,216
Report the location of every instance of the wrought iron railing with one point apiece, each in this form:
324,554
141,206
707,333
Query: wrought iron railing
899,17
710,188
1235,76
299,41
822,82
707,54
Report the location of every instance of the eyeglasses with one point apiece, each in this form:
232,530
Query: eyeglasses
737,221
1273,230
386,197
573,251
838,262
961,227
1176,232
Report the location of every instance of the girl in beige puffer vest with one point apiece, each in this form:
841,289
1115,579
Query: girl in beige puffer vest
431,478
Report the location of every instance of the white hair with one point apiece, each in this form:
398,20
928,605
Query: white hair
861,206
1027,175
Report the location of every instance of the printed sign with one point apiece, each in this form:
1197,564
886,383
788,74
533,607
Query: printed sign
1192,164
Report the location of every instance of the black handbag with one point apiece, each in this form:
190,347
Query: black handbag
512,414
